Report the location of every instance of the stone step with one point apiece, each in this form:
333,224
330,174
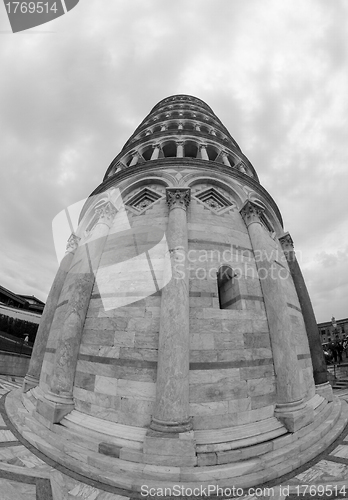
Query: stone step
319,444
104,426
224,451
237,433
61,441
41,439
306,439
101,437
128,475
103,431
29,402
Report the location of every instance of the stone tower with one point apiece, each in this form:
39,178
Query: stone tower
178,344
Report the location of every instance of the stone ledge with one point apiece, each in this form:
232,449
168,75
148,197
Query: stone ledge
129,476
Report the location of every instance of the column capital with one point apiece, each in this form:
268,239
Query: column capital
72,243
240,166
251,212
154,146
106,213
201,146
178,197
286,242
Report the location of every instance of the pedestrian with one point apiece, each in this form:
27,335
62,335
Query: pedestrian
333,349
339,349
345,346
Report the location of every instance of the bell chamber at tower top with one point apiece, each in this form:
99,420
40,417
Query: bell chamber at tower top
182,127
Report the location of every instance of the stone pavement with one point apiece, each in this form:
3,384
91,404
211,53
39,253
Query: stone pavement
26,474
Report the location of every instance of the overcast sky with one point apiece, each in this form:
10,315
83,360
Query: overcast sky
274,71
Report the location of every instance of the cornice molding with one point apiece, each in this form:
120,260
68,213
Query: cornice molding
156,166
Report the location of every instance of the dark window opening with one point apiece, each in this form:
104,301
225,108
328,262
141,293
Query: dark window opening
147,153
191,150
169,150
228,289
212,153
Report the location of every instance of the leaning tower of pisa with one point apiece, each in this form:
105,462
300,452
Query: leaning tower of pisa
178,345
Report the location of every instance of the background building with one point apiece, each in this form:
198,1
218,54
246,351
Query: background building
329,329
20,315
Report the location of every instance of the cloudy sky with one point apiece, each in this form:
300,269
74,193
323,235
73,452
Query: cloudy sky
274,71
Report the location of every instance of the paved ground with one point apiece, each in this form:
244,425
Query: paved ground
28,475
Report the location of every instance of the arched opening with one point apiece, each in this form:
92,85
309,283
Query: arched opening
212,153
169,150
147,153
191,150
228,289
232,160
204,129
127,160
173,126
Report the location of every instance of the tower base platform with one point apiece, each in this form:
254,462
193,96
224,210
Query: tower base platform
92,454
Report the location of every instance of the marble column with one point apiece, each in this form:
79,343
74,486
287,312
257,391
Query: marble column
318,361
135,159
241,168
203,150
32,377
155,153
180,149
180,126
163,128
290,408
225,159
172,390
58,401
197,128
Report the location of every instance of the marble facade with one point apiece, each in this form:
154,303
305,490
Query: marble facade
178,344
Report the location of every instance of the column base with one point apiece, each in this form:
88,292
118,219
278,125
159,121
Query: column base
54,407
173,449
325,390
174,427
29,382
294,415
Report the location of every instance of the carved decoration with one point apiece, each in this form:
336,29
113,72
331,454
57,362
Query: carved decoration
106,212
214,199
178,197
286,243
143,199
72,243
251,212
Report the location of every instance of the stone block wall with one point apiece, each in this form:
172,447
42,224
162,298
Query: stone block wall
232,378
13,364
116,370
